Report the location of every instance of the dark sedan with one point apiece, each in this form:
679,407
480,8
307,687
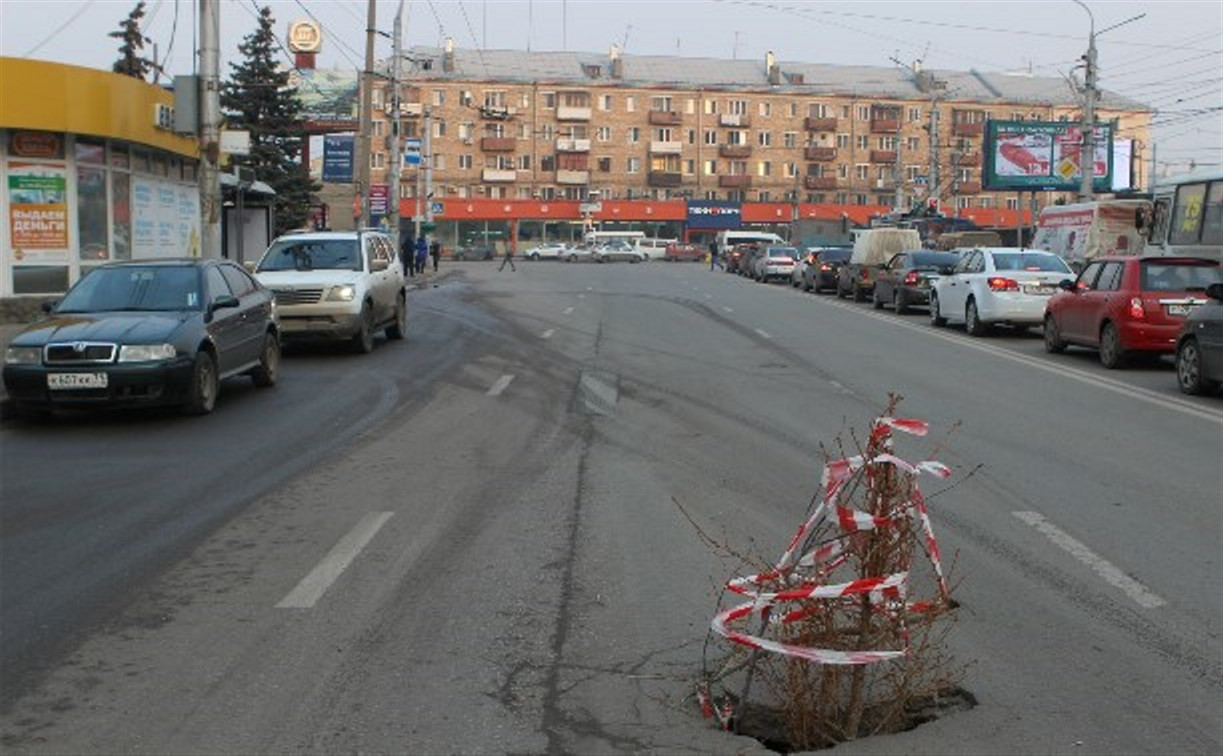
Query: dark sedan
822,274
905,279
1199,347
162,332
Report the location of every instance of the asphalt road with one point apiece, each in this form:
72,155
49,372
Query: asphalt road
468,542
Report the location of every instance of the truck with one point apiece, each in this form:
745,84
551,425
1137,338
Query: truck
1084,230
872,248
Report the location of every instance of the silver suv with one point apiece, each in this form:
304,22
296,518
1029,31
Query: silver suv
336,285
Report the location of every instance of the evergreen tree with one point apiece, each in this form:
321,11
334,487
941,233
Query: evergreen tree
258,98
131,62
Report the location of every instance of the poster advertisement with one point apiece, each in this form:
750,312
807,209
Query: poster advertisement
338,158
165,219
1042,156
38,211
144,219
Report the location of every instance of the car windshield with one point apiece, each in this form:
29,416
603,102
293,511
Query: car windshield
312,254
789,253
1029,261
934,259
129,287
1179,275
835,255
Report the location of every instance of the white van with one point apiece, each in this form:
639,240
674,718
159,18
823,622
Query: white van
728,239
599,238
653,249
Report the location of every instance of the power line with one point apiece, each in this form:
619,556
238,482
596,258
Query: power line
79,12
338,38
173,33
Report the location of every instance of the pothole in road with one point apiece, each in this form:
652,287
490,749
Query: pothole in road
767,725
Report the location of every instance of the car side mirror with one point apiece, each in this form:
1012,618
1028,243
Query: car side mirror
1215,291
224,301
1066,285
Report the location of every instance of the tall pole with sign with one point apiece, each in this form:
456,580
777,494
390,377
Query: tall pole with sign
1087,156
364,126
396,168
210,128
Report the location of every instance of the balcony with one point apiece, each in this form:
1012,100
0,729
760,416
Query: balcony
666,148
572,145
969,161
667,179
734,119
883,156
497,144
819,182
572,113
820,124
740,181
970,187
734,151
665,118
885,125
822,154
499,175
496,112
967,129
572,177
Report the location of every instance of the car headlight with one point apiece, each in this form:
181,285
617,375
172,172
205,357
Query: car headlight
343,293
22,355
146,352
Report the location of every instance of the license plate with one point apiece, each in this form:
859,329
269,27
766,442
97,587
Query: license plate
69,381
1179,309
1044,291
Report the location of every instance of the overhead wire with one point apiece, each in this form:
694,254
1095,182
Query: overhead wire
339,38
71,19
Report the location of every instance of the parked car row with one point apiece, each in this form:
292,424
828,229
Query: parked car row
167,332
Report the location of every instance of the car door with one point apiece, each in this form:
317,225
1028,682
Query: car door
377,265
1100,300
1072,308
953,290
886,280
224,324
254,308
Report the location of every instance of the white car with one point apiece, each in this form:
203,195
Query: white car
336,285
547,251
997,285
577,253
618,250
774,262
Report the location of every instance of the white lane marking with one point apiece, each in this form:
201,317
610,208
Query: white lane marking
568,310
547,334
500,385
1056,368
763,333
1104,568
709,296
728,309
839,386
589,288
581,296
311,588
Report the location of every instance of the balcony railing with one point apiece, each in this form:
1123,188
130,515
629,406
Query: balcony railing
666,148
497,144
572,113
734,119
734,150
970,187
666,179
566,144
737,181
885,126
572,177
499,175
665,118
820,182
822,154
883,156
963,129
820,124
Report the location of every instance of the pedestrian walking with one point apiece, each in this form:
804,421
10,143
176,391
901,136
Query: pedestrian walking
509,258
406,249
713,254
435,251
422,253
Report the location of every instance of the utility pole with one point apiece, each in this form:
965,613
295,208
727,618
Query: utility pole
396,168
210,129
1087,158
424,172
365,121
896,170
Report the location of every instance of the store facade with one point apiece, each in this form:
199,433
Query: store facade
91,173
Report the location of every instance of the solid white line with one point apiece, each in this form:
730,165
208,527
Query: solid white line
547,334
581,296
500,385
312,586
709,296
1104,568
763,333
568,310
728,309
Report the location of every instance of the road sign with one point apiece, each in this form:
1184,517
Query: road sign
436,208
411,152
921,180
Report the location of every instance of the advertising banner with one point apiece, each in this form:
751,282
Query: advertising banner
379,198
38,211
338,152
165,219
1041,155
714,214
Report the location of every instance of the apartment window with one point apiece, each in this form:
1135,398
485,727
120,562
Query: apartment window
524,100
465,130
711,167
883,172
763,196
439,129
711,107
439,98
439,162
523,192
492,130
845,111
524,162
737,107
766,109
912,172
547,163
764,168
547,132
1017,116
764,138
691,136
887,143
633,165
661,104
605,102
577,131
634,134
604,165
985,202
495,98
842,140
690,105
863,112
465,98
711,195
736,136
711,137
379,128
790,139
793,109
549,99
912,143
603,133
819,110
862,171
663,134
738,167
843,171
689,167
963,203
465,162
842,198
864,142
630,103
377,160
1012,203
547,193
914,115
964,174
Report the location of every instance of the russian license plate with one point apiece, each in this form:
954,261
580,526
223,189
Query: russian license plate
1043,291
1179,309
69,381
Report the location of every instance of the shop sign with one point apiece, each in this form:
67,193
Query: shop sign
305,36
379,198
338,158
38,211
714,214
37,144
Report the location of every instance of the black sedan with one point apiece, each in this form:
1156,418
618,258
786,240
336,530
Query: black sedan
905,279
162,332
1199,347
822,273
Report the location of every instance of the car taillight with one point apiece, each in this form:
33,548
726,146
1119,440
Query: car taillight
911,278
865,274
1137,311
997,283
825,267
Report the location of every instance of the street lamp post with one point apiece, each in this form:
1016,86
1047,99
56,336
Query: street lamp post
1087,154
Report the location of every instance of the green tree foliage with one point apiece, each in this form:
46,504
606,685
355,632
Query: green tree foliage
258,98
131,62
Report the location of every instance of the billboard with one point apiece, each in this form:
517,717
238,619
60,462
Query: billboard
338,157
1043,156
713,214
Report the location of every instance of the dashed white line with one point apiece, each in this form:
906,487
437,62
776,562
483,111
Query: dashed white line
312,587
581,296
764,334
500,385
728,309
709,296
547,334
1104,568
568,310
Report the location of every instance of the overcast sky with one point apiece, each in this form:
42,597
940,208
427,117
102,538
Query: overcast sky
1171,59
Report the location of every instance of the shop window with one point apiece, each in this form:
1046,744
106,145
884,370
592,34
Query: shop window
119,157
91,212
121,215
92,151
40,279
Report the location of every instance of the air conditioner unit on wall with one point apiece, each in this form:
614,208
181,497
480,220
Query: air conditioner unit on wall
163,116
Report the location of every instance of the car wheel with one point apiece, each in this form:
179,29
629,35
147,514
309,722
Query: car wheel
859,294
1053,337
573,258
876,302
398,330
535,257
936,320
899,305
363,339
268,370
1112,356
205,385
1189,369
972,320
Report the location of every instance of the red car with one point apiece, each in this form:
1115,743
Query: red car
1124,306
677,252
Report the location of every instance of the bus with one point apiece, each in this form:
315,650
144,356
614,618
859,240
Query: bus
1187,216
